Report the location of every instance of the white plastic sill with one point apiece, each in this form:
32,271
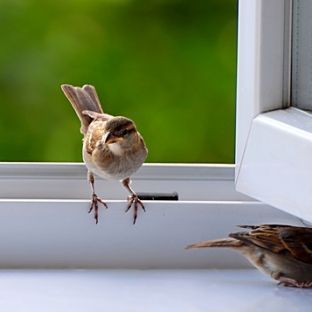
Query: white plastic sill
69,181
44,221
44,226
61,234
141,291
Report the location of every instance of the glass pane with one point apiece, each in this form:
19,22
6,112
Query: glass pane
168,64
302,54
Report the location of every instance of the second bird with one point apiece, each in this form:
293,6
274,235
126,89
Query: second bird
282,251
112,146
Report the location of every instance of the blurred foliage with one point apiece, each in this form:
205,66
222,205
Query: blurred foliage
168,64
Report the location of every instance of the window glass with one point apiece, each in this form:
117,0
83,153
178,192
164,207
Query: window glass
168,64
302,54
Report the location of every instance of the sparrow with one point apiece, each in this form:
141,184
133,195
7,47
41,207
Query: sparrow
112,146
282,251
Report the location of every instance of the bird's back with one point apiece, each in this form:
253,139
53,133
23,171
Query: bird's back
278,250
280,239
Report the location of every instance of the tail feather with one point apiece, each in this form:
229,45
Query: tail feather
224,242
93,95
82,99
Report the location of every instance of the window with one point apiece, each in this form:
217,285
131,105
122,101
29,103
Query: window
43,206
274,130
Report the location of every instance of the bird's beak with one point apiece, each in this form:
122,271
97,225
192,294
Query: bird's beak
110,138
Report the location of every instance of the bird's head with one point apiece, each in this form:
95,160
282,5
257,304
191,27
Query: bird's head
121,134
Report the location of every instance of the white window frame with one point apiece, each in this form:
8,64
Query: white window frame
44,221
274,140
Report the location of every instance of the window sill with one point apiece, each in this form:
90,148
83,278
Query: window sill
43,229
69,181
188,290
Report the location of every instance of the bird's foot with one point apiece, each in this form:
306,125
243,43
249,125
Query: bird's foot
289,282
94,206
133,200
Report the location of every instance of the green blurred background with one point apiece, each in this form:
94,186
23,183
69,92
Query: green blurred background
168,64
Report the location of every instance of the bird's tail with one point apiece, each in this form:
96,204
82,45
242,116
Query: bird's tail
83,99
224,242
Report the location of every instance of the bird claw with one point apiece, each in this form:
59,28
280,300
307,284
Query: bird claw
289,282
133,200
94,206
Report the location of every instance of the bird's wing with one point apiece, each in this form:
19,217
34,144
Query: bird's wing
280,239
265,236
298,241
94,135
263,226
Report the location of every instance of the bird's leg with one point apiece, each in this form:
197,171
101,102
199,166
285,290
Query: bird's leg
95,199
133,199
285,281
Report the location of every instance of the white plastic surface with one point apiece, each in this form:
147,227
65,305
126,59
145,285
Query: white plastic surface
69,181
61,234
273,141
260,65
42,230
152,291
277,161
80,189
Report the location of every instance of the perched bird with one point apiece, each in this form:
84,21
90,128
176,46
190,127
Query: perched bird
282,251
112,146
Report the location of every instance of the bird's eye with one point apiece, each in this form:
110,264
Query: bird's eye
124,132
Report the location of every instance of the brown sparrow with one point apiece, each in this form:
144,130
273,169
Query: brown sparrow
112,146
282,251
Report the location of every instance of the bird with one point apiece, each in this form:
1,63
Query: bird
282,251
112,146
